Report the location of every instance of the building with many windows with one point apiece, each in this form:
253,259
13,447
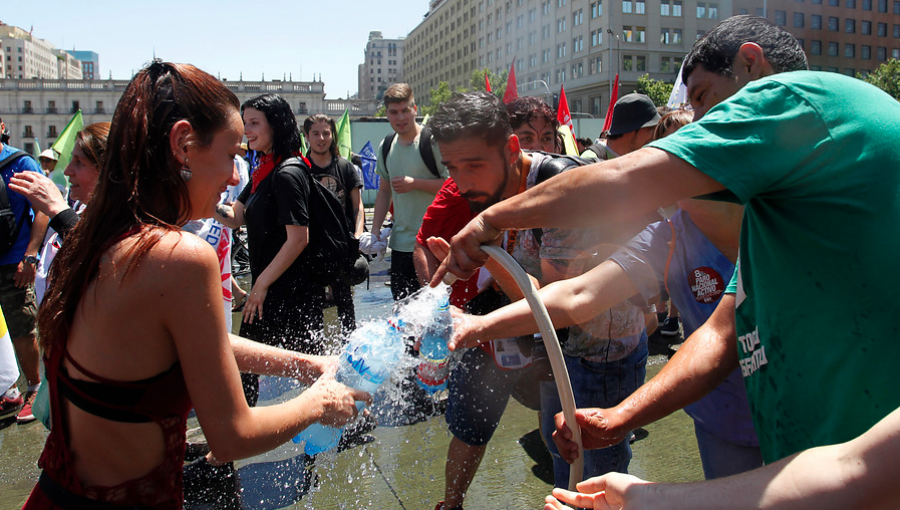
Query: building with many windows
382,67
90,63
579,44
40,109
846,36
27,56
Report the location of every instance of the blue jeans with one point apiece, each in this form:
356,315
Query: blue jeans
721,458
601,385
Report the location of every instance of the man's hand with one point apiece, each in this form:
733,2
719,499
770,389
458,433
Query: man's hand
24,273
403,184
607,492
466,255
599,429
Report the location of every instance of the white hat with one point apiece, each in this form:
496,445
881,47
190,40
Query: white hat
49,154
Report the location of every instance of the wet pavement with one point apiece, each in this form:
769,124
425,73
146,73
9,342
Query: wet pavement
399,466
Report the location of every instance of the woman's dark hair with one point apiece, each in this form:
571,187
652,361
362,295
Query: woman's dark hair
716,50
140,190
93,140
321,117
526,109
285,133
471,115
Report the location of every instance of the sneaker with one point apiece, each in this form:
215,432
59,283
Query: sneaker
10,406
25,415
669,327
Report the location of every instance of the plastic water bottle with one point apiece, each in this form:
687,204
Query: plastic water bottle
433,372
368,359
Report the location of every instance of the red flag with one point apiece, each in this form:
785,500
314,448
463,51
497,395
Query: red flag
512,91
612,103
563,115
487,83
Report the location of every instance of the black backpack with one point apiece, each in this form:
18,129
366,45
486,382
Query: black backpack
555,165
424,150
9,226
332,249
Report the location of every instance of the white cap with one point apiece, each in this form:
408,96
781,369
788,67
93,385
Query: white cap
49,154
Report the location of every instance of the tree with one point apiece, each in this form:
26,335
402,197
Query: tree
657,90
381,111
438,96
498,81
886,77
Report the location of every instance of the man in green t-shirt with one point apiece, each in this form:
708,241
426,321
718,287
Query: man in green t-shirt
812,157
408,183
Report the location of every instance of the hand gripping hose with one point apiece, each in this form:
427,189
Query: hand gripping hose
554,352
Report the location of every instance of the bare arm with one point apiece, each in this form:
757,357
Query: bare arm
230,215
25,272
861,473
210,362
702,363
359,212
256,358
297,239
405,184
569,302
609,191
382,204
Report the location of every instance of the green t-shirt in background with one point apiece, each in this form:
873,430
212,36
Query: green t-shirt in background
814,158
409,208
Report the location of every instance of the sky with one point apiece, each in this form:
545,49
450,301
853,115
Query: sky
275,39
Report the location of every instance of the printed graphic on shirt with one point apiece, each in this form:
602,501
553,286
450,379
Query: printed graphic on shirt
706,284
333,185
754,352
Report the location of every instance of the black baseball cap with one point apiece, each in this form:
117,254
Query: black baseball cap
633,112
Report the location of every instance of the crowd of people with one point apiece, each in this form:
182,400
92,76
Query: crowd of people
771,198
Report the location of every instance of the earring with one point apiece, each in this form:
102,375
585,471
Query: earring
186,172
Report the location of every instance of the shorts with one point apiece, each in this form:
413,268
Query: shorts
19,304
479,392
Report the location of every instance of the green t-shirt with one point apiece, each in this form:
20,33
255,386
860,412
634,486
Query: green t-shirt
814,158
409,208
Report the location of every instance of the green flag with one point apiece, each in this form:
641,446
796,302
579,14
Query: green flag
37,150
63,146
343,135
304,145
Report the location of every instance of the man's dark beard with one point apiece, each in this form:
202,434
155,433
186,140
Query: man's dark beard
491,199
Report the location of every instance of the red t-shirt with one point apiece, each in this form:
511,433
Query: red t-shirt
447,215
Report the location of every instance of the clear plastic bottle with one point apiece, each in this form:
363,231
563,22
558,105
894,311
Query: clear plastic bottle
434,370
370,356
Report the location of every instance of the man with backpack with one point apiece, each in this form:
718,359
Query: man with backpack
338,175
485,159
21,233
411,175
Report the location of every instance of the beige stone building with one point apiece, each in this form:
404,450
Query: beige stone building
40,109
580,44
27,56
382,66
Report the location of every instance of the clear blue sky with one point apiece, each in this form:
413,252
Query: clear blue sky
223,37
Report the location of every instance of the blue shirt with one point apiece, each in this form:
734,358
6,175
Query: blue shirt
697,278
18,204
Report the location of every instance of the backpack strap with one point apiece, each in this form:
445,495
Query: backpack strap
4,197
386,147
426,152
551,168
